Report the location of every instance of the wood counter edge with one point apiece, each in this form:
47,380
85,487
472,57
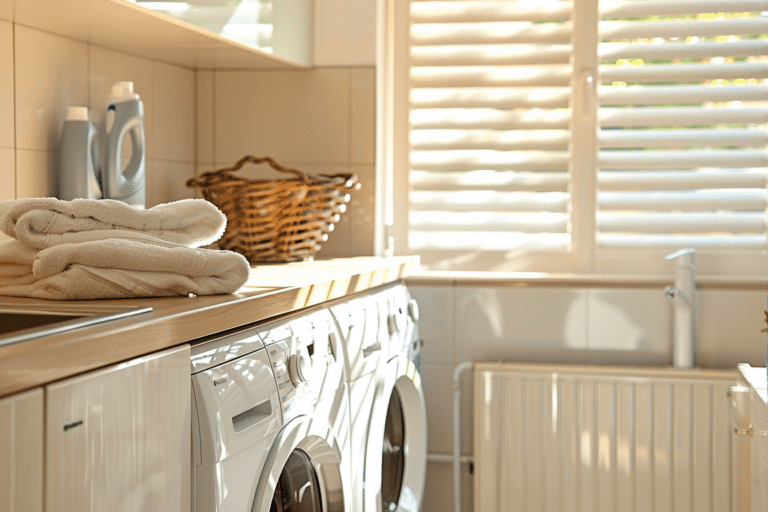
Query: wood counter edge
178,320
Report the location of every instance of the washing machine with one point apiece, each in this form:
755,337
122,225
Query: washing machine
270,419
387,401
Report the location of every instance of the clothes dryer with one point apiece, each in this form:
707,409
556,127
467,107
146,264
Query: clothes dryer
270,419
386,399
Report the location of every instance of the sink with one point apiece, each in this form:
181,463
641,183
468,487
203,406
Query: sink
21,322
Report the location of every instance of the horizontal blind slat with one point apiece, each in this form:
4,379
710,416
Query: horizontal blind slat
682,50
612,30
489,180
650,159
487,221
490,33
484,11
489,139
680,116
486,241
676,138
679,180
645,8
508,160
624,241
490,201
514,76
697,200
489,97
683,72
671,94
489,118
702,222
472,55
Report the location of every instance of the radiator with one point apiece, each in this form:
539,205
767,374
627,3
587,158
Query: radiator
601,439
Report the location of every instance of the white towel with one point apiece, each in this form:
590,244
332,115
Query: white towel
118,268
45,222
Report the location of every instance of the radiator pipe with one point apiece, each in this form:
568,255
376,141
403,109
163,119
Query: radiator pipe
461,368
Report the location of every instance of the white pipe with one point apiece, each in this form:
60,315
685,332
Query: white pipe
683,300
461,368
445,457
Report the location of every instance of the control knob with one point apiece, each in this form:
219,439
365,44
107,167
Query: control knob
300,366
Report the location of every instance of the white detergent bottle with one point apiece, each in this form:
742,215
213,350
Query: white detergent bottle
125,116
78,170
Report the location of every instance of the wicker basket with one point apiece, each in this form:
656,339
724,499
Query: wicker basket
280,220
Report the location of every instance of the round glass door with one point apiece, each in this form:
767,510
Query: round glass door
393,453
298,489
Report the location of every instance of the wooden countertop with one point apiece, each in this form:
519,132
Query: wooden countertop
271,290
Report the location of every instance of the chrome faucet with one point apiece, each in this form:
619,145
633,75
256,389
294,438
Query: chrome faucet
682,295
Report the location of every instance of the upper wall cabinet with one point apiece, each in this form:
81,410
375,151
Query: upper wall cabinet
252,34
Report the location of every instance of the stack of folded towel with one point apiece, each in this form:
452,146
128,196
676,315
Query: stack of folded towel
106,249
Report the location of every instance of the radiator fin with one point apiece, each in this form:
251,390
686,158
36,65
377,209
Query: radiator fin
572,439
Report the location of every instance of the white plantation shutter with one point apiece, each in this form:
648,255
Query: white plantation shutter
683,119
680,114
490,91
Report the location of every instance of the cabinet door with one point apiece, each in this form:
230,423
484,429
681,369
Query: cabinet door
118,439
21,452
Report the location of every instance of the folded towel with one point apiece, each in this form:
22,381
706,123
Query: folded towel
45,222
118,268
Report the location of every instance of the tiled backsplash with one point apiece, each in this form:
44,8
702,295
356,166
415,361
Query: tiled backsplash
318,120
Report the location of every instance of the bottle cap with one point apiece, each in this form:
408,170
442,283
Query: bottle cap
77,114
122,91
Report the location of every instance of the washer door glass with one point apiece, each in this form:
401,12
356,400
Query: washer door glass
393,453
298,489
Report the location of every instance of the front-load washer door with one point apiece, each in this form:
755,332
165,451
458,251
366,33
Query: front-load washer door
396,452
304,471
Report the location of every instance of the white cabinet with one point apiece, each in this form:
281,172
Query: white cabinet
749,419
118,439
21,452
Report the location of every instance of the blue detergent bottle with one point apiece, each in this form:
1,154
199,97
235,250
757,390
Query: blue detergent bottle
124,118
78,169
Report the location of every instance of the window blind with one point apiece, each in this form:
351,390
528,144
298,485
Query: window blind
681,123
490,116
682,117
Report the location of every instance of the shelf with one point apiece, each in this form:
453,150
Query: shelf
124,26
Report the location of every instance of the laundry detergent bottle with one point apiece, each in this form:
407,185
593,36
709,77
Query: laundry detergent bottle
78,172
125,181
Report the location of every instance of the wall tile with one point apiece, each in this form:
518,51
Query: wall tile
107,67
293,116
520,324
51,75
204,93
166,181
361,212
628,327
362,115
7,175
174,113
6,85
436,323
437,382
729,325
438,488
345,33
35,173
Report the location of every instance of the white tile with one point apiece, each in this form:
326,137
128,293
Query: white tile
51,75
520,324
628,326
297,116
35,173
344,33
204,103
729,325
166,181
6,85
362,116
107,67
437,383
361,211
435,323
173,123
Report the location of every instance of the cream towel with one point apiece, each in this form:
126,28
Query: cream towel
118,268
45,222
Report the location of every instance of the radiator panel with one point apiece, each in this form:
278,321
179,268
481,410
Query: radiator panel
601,439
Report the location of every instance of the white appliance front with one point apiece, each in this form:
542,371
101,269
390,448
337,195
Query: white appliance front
272,424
